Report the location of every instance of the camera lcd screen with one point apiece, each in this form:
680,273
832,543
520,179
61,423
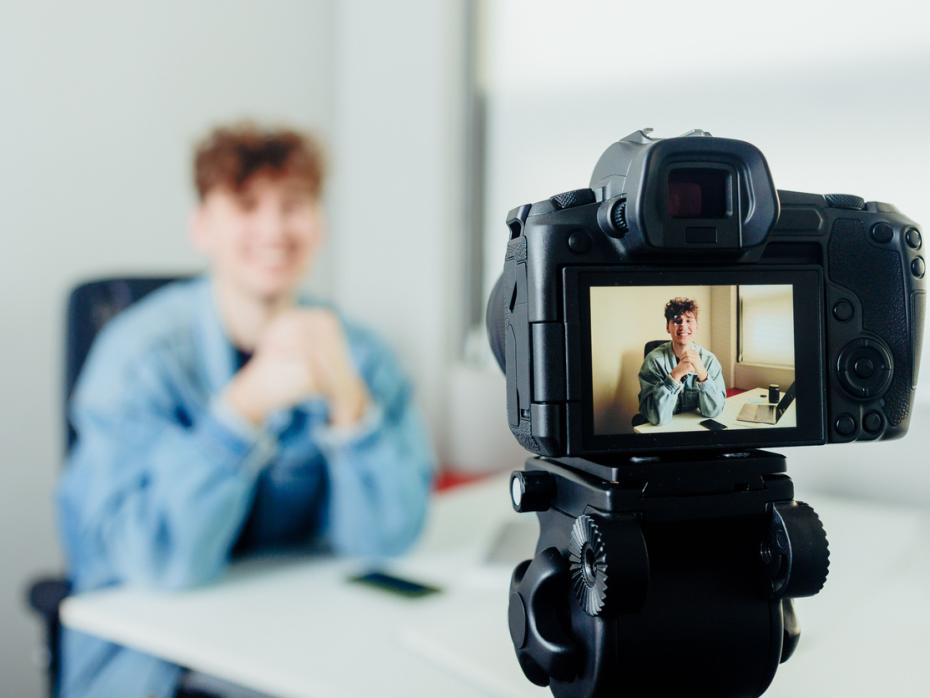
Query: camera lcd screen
698,193
671,358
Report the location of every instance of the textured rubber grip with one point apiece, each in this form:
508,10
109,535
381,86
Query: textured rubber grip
875,276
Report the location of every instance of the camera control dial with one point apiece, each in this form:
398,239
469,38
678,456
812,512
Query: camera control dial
612,217
850,202
864,368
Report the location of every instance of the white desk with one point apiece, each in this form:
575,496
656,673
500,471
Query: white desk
690,421
294,628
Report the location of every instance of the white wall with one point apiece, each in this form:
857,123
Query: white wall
399,181
101,102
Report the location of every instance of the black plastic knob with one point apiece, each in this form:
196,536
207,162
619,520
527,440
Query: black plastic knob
611,216
538,618
609,565
531,490
795,552
618,217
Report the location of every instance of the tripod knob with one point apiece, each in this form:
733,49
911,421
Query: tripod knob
531,490
609,565
539,620
795,552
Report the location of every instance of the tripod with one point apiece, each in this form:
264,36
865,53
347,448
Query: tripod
665,575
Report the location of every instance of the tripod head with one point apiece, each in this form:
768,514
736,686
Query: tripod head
662,574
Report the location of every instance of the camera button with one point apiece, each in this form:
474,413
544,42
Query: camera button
912,238
845,425
843,310
882,232
918,267
579,241
872,422
864,368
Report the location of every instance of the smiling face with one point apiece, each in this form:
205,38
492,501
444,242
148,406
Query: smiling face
682,329
260,238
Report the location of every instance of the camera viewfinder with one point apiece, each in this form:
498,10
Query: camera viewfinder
698,193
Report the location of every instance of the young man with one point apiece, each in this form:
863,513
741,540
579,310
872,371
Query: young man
223,414
680,375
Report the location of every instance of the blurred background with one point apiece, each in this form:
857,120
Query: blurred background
439,118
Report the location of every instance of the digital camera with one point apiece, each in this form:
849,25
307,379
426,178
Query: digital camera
681,301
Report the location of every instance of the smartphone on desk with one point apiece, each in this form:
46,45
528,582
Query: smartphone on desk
712,424
406,588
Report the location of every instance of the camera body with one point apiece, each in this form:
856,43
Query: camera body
702,212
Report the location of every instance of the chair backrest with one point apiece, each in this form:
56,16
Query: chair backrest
92,305
652,344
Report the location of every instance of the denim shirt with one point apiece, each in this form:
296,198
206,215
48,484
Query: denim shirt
164,480
661,396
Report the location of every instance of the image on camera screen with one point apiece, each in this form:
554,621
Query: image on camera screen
692,358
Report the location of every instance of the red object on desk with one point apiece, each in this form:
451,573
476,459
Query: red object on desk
449,479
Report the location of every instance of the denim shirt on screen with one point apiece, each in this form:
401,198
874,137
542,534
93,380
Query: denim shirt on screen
164,480
661,396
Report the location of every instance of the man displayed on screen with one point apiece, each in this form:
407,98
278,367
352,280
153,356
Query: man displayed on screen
680,375
229,414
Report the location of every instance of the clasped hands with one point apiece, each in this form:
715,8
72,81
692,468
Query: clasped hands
690,363
301,355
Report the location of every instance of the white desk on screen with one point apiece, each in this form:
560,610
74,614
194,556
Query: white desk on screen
296,628
690,421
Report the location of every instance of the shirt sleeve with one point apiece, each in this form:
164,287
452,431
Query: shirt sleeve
712,393
380,471
148,497
658,393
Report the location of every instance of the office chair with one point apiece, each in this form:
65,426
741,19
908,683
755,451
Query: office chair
649,346
90,306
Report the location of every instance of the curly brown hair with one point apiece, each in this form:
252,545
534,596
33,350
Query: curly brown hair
230,155
679,306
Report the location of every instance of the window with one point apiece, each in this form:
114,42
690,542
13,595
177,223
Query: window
766,325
